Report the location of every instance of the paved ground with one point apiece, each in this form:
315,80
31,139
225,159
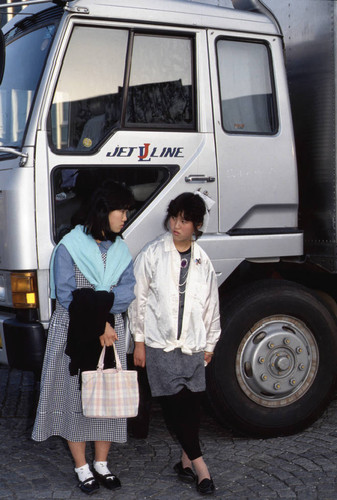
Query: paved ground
301,466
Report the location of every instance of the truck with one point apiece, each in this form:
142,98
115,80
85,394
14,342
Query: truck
236,101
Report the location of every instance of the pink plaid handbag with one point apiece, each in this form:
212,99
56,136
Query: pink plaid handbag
111,393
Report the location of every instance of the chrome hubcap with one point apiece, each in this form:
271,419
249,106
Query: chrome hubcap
277,361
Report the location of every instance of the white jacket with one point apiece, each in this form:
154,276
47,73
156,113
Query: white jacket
153,315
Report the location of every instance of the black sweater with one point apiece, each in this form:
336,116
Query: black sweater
88,313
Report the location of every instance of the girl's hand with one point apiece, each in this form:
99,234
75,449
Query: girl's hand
208,357
139,356
109,336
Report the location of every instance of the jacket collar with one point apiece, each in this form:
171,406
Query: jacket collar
170,247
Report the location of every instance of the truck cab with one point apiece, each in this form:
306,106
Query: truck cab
180,97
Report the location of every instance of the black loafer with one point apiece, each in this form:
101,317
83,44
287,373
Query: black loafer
89,486
108,480
206,487
185,474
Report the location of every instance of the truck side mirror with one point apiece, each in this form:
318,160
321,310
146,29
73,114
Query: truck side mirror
2,55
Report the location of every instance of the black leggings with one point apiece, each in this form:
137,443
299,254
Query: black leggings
182,416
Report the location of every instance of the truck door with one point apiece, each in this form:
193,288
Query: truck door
254,144
123,106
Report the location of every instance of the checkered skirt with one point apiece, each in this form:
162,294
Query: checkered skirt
59,411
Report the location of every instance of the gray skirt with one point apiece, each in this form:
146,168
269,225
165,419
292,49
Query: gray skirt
169,372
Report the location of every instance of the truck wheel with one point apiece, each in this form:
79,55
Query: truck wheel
274,367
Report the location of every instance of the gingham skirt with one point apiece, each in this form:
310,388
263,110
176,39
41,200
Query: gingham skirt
59,411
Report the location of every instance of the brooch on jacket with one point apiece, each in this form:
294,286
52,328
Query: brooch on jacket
198,261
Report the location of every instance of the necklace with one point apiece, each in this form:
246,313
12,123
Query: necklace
184,266
183,263
181,285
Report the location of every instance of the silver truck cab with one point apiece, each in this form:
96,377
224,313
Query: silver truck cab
180,97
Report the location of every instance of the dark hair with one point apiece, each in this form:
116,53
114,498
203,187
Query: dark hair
110,196
191,206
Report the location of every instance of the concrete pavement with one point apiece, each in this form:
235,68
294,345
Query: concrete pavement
302,466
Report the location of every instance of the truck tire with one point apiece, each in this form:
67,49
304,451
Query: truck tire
274,367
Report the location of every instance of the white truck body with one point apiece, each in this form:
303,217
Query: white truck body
172,98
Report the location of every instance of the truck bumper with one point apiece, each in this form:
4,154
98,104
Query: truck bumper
23,343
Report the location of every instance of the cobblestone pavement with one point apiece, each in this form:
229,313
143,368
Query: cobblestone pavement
302,466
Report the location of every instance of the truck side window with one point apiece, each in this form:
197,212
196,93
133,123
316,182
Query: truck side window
88,96
72,187
246,87
160,87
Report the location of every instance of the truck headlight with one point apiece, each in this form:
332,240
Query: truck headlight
24,290
2,289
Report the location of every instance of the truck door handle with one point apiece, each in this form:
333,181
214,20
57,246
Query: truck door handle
199,178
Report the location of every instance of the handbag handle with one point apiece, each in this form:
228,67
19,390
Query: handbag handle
100,365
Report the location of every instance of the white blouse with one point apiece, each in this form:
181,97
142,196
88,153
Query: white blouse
153,315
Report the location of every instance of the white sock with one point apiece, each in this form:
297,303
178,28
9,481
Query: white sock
84,473
101,468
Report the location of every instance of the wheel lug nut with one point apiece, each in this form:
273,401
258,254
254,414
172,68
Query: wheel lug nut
271,345
286,341
298,350
301,367
292,382
261,360
277,386
264,377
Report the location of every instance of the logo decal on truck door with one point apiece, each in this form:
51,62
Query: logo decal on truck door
146,152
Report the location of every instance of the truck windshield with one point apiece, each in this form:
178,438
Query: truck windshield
25,58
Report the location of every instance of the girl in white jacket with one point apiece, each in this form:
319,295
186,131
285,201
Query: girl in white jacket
175,324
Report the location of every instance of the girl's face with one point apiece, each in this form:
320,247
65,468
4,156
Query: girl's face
117,219
182,230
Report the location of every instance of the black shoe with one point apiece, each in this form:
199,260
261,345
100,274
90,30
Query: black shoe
206,487
89,486
185,474
108,480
